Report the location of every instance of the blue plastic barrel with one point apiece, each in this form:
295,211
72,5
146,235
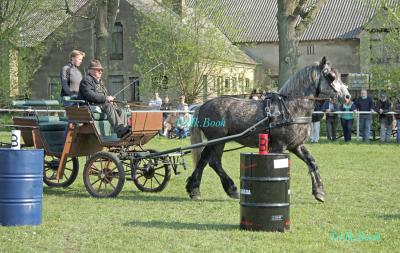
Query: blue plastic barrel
21,186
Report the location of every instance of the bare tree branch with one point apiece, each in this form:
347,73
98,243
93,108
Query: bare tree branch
308,16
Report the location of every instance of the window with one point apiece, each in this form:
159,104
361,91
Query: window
117,42
380,51
310,50
241,83
134,86
54,88
219,85
226,83
247,83
115,85
234,83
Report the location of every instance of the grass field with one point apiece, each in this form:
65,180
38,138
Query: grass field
361,182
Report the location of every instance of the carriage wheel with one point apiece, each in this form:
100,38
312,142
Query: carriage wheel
50,171
151,174
104,175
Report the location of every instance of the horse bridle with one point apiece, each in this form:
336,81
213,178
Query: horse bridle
330,76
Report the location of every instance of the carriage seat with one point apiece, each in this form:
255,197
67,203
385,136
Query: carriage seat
105,130
53,126
53,133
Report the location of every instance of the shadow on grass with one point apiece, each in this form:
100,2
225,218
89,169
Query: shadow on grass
182,225
65,192
389,216
140,196
131,196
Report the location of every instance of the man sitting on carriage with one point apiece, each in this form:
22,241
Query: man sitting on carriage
93,91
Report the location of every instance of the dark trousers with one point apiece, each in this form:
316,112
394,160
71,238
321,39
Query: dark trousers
347,125
116,116
331,124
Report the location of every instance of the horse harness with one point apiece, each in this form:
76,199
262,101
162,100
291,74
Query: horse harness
280,117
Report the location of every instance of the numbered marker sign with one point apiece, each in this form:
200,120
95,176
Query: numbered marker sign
16,139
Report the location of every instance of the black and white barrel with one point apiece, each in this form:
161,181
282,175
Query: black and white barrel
264,191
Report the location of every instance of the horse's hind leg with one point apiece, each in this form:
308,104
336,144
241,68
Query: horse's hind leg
216,164
193,182
317,186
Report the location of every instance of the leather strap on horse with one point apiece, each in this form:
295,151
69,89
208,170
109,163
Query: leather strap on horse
282,113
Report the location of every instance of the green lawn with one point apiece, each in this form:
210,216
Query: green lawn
361,182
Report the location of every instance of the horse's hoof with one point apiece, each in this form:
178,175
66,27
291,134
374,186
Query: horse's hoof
320,196
194,194
195,197
234,195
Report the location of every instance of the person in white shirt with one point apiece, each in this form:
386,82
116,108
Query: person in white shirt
155,103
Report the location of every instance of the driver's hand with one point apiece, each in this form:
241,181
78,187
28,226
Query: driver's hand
110,99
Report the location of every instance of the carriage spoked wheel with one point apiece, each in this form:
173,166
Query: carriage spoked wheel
104,175
50,171
151,174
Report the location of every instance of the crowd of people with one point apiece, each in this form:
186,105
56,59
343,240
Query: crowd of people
344,113
174,124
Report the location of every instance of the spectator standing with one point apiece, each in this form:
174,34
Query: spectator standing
383,106
329,107
316,122
155,103
347,118
397,116
365,104
182,103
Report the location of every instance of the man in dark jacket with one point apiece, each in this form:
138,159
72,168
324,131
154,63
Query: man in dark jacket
70,75
365,104
383,106
316,121
93,90
329,107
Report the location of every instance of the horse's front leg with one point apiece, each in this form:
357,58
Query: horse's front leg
316,180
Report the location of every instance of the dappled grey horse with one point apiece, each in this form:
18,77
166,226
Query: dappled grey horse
317,80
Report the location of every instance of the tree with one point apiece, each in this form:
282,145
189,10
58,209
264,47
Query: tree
385,48
17,64
294,16
104,15
191,49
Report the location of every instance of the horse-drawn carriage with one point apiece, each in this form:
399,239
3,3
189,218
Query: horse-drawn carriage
85,131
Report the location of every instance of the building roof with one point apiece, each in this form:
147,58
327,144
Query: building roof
255,20
44,22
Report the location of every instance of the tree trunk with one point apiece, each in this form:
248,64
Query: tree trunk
107,11
293,20
288,41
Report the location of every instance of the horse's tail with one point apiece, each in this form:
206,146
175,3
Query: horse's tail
196,136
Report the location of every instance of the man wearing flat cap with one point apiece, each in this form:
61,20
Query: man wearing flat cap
93,90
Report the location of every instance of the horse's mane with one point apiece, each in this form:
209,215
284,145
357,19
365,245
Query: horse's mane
300,81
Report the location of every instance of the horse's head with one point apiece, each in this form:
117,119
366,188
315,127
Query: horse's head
329,83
